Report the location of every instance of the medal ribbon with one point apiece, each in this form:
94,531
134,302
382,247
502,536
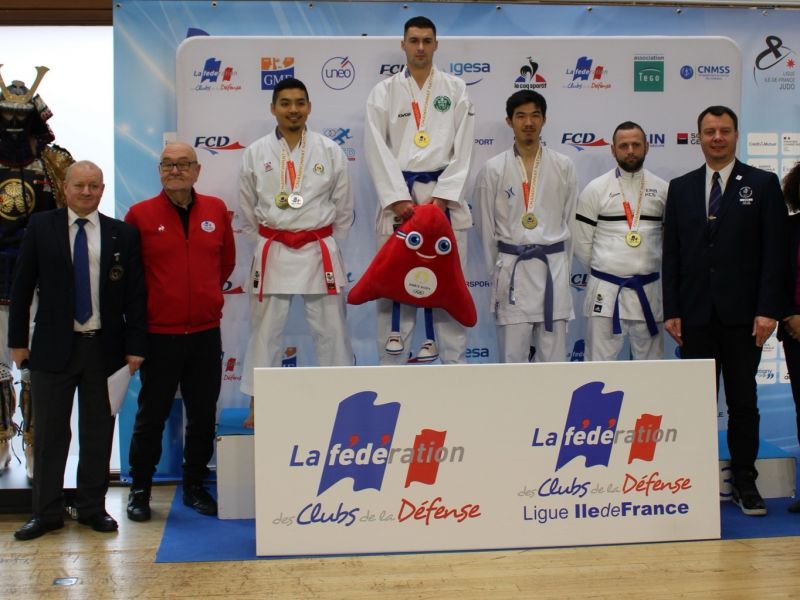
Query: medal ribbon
287,165
420,119
633,219
529,189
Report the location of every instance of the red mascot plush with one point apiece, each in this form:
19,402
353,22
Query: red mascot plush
419,265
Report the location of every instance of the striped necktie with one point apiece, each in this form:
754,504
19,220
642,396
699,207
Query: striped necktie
715,196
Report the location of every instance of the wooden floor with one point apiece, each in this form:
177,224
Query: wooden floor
121,566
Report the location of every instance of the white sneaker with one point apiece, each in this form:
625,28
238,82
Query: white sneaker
394,344
427,352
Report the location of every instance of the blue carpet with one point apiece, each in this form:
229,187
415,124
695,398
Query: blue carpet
190,537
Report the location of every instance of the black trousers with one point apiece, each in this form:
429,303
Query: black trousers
52,395
193,361
736,355
791,350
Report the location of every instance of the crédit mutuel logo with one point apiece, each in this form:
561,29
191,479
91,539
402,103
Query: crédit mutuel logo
648,73
591,430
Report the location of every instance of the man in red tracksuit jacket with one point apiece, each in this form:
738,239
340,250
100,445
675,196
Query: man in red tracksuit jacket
188,253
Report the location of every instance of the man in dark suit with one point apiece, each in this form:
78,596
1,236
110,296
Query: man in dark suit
724,232
90,322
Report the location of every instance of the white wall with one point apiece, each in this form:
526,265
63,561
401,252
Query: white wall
79,87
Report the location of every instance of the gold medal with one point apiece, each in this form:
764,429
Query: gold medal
529,221
421,139
633,239
282,200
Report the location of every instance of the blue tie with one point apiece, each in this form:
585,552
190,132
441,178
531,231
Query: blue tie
715,196
80,267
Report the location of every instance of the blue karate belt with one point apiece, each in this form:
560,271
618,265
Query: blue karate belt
527,252
636,282
422,176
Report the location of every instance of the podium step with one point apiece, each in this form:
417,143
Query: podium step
777,470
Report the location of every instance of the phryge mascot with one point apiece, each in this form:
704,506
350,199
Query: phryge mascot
31,179
419,266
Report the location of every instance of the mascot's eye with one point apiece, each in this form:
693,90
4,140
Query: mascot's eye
414,240
443,245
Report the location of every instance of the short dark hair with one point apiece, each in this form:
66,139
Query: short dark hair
290,83
718,111
625,126
420,23
521,97
791,188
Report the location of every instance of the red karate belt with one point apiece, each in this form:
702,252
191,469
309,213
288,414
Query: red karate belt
296,240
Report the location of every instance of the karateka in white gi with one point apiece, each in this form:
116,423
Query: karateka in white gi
418,142
296,202
524,204
618,236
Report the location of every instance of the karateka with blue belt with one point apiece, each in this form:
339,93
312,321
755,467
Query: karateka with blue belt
524,204
618,236
418,144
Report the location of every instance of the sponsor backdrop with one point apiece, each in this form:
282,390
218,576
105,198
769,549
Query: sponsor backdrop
593,454
214,92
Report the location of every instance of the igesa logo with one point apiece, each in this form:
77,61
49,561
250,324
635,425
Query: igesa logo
477,353
338,72
274,70
214,144
591,431
582,140
470,70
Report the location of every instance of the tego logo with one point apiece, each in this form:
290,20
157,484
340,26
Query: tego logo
591,431
360,448
274,70
338,73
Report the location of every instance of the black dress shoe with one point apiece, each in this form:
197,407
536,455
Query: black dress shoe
197,497
36,527
794,507
139,504
101,521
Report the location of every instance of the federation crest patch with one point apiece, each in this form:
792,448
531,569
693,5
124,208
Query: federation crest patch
442,103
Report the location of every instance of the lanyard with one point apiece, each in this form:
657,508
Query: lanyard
529,189
287,165
633,219
421,119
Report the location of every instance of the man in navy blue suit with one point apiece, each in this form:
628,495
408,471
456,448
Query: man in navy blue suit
724,232
90,322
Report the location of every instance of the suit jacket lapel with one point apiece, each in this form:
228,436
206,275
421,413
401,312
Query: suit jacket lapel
698,191
61,236
108,242
731,190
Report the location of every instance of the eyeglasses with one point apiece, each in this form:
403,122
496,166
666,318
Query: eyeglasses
183,165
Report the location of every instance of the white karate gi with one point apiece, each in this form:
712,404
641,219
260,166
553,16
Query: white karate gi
499,206
328,200
600,230
390,150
